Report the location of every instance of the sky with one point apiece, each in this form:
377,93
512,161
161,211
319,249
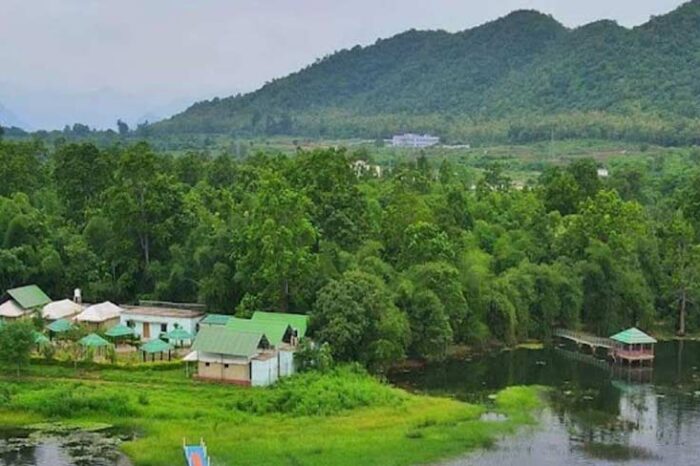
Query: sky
94,61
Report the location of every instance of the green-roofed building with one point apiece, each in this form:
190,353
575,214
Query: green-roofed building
298,322
215,319
633,345
29,297
275,332
230,355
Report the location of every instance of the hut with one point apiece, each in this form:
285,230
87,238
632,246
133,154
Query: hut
227,355
22,301
632,345
63,309
156,346
155,320
101,316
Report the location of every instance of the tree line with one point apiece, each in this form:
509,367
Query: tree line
403,265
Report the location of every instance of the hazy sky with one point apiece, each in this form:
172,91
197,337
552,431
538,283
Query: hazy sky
94,61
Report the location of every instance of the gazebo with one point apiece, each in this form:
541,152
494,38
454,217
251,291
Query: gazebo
633,345
156,346
59,326
120,331
94,341
178,334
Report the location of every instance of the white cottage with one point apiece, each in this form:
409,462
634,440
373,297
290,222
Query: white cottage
152,321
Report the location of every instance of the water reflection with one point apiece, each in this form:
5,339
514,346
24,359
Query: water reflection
596,414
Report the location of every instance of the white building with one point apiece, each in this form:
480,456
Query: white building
151,321
603,172
414,140
361,168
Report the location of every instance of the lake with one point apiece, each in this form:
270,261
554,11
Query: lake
596,414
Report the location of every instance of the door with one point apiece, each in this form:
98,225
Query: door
146,331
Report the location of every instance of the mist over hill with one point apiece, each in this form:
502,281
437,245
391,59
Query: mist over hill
517,75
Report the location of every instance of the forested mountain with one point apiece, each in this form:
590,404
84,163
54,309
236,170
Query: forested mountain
505,71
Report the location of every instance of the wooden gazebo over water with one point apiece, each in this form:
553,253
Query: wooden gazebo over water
632,345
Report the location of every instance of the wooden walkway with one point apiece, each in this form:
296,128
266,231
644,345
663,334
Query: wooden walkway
582,338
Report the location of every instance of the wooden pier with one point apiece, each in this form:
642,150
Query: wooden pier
629,346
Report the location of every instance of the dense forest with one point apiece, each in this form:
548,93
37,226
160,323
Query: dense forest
407,264
485,85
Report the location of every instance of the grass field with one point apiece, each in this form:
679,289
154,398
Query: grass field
341,418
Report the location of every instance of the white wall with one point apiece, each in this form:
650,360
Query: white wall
155,322
263,372
286,363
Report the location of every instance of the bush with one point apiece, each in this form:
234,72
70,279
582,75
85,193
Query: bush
313,393
75,400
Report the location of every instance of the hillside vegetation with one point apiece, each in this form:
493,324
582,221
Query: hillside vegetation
485,84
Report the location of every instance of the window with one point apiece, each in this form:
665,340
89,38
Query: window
164,328
225,366
130,323
206,364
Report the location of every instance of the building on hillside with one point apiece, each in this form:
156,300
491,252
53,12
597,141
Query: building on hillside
63,309
101,316
227,355
363,168
414,140
22,301
603,173
153,320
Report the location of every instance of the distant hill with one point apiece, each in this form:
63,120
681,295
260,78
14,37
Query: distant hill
505,77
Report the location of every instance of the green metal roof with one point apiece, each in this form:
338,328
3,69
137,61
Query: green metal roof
60,326
298,322
224,340
215,319
120,330
94,340
29,297
156,346
40,338
633,336
273,330
179,334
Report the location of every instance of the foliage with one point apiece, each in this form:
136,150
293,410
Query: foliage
16,343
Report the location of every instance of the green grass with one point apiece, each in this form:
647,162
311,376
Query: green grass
342,418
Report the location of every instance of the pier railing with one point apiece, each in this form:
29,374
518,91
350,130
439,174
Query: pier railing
584,338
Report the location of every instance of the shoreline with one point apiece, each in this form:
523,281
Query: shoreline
297,422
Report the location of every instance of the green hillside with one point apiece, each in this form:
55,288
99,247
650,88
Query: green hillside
491,80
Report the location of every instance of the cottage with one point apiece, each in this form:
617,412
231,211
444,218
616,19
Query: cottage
64,309
153,321
101,316
23,301
227,355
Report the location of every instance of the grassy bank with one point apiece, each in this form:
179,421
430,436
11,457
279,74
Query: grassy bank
340,418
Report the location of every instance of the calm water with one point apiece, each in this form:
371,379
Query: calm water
596,415
25,448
